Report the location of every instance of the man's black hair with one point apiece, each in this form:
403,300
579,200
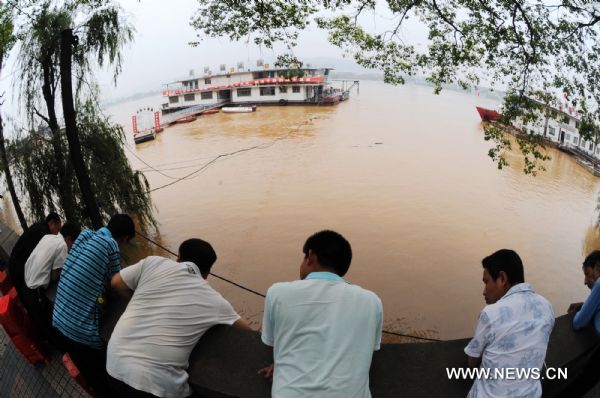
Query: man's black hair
332,250
53,217
198,252
592,259
121,226
505,260
71,230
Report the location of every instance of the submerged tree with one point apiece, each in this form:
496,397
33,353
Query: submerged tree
535,49
100,33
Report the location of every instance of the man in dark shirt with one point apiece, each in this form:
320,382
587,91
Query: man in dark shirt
25,245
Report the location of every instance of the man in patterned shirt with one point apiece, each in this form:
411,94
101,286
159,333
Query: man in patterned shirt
93,260
512,332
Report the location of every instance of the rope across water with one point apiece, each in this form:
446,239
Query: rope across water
262,295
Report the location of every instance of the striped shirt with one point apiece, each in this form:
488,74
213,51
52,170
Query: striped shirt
93,260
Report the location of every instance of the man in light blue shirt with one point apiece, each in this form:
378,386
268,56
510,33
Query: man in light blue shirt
589,311
323,330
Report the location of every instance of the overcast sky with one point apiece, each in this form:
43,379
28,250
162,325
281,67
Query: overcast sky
160,52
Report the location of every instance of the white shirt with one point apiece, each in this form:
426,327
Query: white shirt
323,332
171,308
512,333
49,254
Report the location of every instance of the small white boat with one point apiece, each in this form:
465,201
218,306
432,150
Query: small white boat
239,109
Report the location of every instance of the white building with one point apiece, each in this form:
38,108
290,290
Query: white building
561,128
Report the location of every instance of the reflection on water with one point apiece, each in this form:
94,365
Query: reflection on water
402,173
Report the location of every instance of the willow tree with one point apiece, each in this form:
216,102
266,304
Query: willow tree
100,33
38,67
534,49
6,42
117,187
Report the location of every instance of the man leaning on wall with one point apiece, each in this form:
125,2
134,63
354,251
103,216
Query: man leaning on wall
513,329
323,330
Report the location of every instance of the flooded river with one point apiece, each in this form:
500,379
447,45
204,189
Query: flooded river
402,173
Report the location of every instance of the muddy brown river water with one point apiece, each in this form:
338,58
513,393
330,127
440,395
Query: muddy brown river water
402,173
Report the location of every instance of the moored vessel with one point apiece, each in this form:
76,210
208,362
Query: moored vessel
488,115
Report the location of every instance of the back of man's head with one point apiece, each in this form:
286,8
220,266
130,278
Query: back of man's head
198,252
121,226
592,260
505,260
70,230
333,251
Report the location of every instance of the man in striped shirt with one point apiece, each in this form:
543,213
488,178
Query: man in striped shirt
93,260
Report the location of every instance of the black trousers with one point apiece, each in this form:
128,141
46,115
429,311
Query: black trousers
91,363
39,309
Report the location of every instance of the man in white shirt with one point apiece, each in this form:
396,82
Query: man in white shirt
323,330
512,332
171,308
43,266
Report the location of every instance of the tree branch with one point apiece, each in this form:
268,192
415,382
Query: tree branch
41,116
445,18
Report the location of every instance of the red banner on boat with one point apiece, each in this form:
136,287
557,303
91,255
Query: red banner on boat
256,82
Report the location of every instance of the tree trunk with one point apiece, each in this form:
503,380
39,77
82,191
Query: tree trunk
64,177
4,159
92,210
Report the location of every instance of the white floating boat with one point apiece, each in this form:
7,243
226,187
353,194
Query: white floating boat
239,109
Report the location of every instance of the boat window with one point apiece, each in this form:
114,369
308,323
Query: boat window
575,140
174,99
295,89
244,92
206,81
267,91
551,130
206,95
189,97
196,84
282,89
